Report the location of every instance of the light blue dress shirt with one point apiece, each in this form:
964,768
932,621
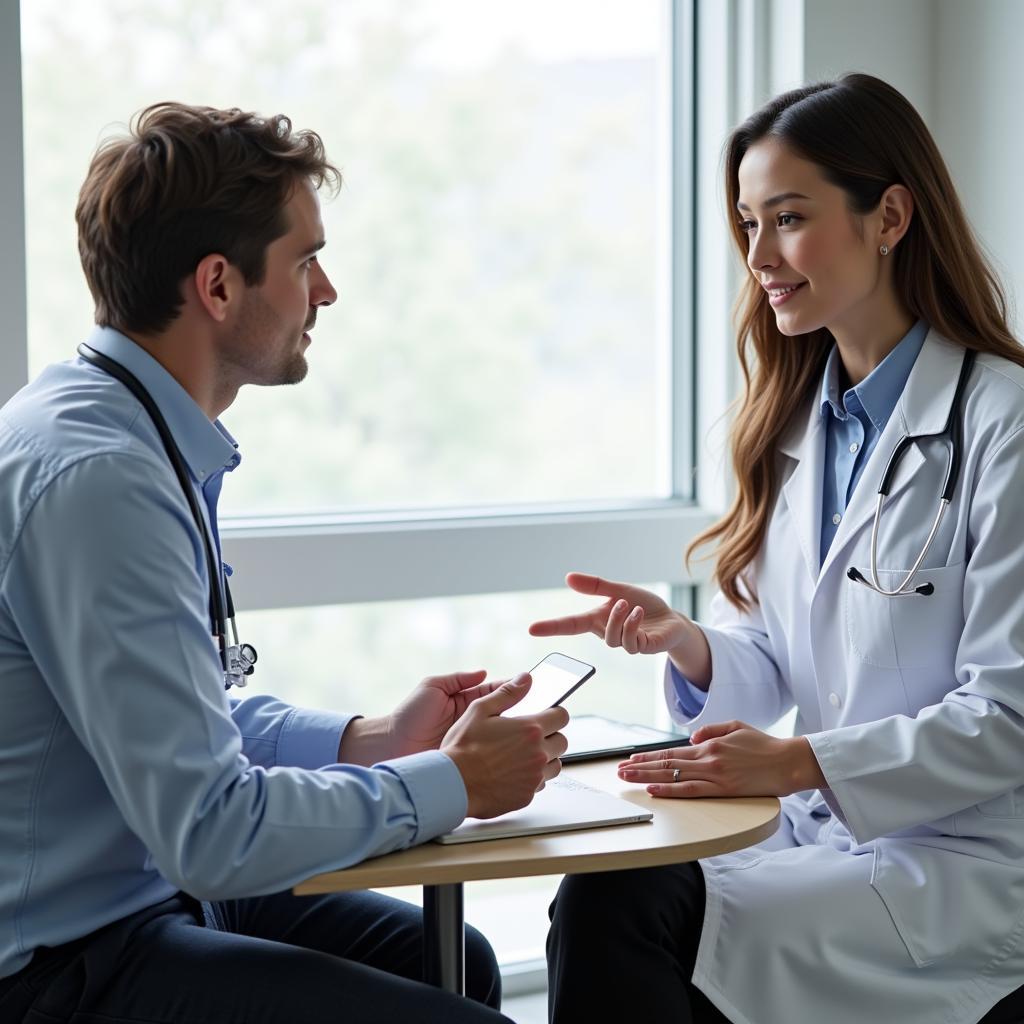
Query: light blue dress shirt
853,424
126,773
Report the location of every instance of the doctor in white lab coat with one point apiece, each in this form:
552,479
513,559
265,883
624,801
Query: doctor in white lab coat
894,890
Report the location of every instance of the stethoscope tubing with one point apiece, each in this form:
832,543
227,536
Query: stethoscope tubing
219,593
952,432
902,590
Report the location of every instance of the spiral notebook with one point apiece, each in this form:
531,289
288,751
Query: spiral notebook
562,805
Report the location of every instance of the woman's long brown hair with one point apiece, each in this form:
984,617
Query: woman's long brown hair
864,136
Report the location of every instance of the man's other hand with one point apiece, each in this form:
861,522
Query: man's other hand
421,721
504,761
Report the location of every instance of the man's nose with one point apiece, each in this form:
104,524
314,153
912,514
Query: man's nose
323,293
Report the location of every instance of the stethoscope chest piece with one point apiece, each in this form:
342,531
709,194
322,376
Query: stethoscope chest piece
241,662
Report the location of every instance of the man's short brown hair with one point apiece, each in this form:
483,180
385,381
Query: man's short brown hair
184,183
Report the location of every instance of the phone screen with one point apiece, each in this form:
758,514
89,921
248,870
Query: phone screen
553,680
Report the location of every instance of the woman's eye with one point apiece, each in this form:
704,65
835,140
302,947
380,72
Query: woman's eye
787,219
747,226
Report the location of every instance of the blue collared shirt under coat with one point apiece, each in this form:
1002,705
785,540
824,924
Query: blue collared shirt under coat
854,421
126,773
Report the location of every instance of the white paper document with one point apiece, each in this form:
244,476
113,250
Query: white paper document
562,805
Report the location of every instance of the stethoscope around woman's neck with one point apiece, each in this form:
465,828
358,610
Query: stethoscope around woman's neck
237,660
953,434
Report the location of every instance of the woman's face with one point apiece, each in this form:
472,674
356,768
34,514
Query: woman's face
817,260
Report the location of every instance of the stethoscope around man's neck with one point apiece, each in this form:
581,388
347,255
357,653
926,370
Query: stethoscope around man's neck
953,433
237,660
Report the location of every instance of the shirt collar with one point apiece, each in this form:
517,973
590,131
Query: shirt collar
880,390
205,446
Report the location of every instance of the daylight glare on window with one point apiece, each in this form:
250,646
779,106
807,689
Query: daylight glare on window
498,245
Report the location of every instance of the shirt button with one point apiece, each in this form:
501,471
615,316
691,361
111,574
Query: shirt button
837,519
854,446
835,700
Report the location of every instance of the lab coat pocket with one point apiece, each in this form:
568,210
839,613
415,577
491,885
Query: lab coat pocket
915,906
946,904
881,879
909,631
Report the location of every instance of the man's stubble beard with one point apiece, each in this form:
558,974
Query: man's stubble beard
254,352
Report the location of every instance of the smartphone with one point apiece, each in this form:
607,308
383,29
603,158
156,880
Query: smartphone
554,679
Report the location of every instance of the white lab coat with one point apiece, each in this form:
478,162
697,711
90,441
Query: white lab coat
898,893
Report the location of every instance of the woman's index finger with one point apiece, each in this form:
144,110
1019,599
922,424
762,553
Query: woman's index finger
584,583
568,625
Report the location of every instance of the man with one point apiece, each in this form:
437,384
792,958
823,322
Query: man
131,787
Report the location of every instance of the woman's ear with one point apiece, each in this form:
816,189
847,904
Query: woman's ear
897,208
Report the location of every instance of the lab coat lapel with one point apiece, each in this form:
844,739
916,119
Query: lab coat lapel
802,491
921,411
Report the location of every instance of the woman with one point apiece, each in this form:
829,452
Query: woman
895,885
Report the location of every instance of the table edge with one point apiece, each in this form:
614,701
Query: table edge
368,874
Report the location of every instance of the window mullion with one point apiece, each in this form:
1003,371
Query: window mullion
683,298
289,568
14,343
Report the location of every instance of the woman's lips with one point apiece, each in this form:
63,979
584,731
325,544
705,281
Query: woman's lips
780,296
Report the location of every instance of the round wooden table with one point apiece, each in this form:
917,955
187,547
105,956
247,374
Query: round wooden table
681,830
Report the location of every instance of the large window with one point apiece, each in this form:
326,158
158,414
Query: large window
500,245
506,388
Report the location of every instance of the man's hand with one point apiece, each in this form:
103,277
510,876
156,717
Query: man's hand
504,761
418,723
729,759
422,719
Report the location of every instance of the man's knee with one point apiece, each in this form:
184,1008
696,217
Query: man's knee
483,978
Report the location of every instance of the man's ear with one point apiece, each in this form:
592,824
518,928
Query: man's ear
218,286
897,209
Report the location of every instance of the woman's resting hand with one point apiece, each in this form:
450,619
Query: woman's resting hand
728,759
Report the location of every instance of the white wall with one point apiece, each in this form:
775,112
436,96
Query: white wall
978,91
892,39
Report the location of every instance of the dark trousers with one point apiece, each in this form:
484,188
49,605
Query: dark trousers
623,945
282,959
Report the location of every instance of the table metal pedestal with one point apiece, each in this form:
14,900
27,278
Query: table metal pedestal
444,937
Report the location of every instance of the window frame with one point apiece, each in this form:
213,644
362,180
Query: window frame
13,259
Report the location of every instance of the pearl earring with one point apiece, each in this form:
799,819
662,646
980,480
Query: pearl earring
884,250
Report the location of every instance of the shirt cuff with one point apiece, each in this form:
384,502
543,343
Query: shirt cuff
689,699
436,790
310,738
